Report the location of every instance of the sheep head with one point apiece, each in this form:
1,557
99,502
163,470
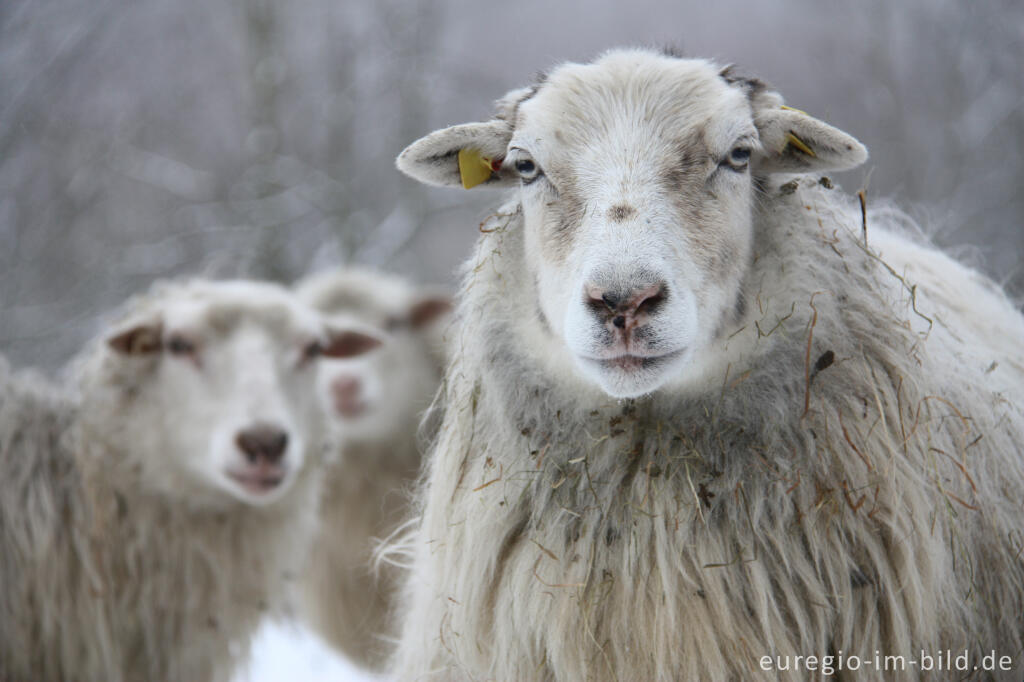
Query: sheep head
378,395
637,176
215,386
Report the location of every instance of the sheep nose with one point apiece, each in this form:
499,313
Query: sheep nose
262,442
623,305
346,391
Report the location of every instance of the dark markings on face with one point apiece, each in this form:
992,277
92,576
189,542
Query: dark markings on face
707,239
620,212
688,166
567,214
709,235
644,333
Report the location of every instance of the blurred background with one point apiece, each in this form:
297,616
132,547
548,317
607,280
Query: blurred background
142,139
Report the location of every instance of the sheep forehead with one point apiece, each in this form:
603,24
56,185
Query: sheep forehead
631,102
218,309
370,294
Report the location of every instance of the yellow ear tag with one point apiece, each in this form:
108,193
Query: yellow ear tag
475,168
799,111
799,144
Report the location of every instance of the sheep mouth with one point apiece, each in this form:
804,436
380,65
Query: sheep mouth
635,363
258,482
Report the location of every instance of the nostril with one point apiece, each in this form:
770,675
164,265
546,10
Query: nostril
620,306
278,445
593,298
600,300
651,298
262,442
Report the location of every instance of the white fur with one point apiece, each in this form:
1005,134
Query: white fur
822,470
130,552
366,490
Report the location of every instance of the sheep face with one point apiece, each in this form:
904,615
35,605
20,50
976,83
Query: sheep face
375,395
219,394
635,179
378,395
637,213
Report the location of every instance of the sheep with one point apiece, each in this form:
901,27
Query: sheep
694,426
377,399
158,503
966,308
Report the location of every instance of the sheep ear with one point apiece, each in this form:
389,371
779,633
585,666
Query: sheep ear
428,309
465,156
795,142
349,343
137,338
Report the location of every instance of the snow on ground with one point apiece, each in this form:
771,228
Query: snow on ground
290,652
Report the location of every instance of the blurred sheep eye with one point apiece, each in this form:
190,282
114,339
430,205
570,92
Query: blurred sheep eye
738,158
312,350
179,345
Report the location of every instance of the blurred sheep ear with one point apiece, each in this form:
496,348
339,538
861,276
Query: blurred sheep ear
429,309
795,142
137,338
466,155
348,343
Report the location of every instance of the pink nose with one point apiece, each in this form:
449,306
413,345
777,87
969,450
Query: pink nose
346,391
625,307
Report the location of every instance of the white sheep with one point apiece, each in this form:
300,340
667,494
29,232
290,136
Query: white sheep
377,399
154,509
693,424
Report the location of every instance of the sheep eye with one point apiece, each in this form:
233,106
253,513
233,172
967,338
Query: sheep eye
527,170
313,349
179,345
525,167
738,159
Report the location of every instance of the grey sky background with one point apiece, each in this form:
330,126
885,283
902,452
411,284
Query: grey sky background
143,139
